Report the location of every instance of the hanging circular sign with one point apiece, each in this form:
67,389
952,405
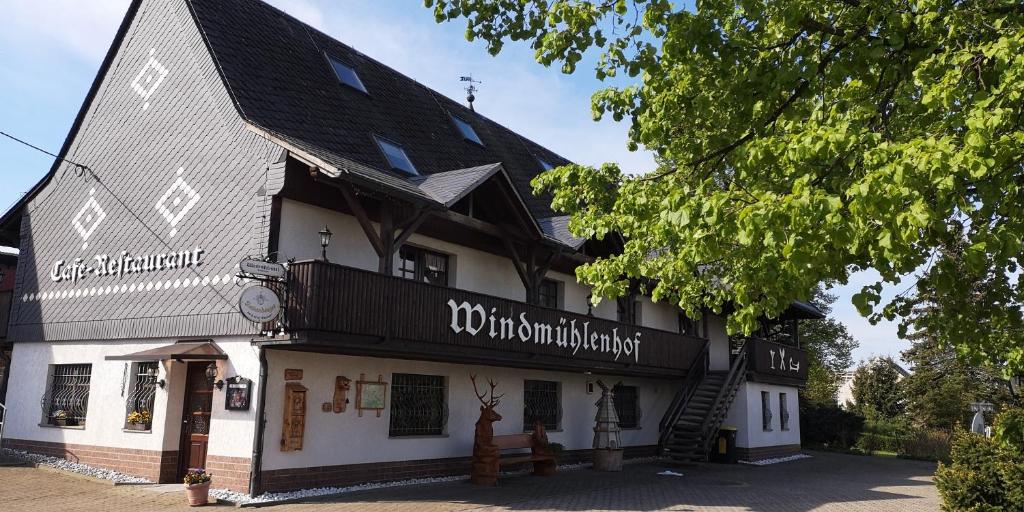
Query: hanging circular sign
259,304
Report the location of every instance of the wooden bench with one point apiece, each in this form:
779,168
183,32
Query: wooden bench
540,454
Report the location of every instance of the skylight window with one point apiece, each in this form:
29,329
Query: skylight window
347,74
545,164
396,156
466,130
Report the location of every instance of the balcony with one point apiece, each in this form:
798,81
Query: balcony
775,363
334,308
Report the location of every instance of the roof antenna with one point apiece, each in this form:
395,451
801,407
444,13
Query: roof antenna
470,89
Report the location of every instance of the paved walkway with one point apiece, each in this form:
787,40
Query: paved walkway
827,482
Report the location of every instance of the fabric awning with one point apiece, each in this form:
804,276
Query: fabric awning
182,351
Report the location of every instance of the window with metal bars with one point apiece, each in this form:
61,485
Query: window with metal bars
139,405
542,402
548,292
627,405
422,265
766,411
67,398
419,405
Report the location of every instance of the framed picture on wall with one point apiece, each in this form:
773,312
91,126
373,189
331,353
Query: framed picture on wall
239,392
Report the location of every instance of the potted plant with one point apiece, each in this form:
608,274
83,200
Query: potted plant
139,420
59,418
197,487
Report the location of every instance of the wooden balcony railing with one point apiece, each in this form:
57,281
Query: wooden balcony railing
337,306
776,363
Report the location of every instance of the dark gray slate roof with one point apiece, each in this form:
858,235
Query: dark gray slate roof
277,71
448,187
557,228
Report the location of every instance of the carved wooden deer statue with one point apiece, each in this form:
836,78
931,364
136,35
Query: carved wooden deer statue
485,452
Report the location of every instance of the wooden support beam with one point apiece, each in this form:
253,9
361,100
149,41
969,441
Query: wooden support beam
387,237
517,262
360,214
410,226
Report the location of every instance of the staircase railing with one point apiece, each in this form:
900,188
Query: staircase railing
3,419
723,401
682,397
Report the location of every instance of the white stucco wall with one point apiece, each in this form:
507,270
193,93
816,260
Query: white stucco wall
231,432
745,415
346,438
719,348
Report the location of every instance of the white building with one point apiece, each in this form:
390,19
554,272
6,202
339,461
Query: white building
218,131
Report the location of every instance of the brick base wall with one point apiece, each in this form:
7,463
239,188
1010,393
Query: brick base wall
150,464
229,472
767,452
352,474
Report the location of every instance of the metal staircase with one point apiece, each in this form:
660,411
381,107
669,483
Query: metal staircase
701,405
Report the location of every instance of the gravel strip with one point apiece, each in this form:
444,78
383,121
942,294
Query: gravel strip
74,467
767,462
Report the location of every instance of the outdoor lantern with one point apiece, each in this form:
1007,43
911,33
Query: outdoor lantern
152,373
325,240
211,376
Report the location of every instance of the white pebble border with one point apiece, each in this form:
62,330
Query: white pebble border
274,497
767,462
74,467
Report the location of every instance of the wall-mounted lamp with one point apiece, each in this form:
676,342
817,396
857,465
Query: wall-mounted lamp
325,240
152,373
211,376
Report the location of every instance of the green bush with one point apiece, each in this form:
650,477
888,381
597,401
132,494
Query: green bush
829,426
872,442
906,440
926,444
984,475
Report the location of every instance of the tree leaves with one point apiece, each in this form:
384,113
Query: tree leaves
799,141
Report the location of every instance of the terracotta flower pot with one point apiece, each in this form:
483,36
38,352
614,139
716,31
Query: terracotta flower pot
198,494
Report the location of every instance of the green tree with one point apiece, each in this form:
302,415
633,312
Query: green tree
829,351
943,385
877,390
798,141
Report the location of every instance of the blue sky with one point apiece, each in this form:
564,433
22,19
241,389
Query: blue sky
50,51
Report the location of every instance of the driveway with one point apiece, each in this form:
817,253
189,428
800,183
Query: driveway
826,482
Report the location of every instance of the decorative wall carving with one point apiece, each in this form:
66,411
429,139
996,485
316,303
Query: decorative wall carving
293,429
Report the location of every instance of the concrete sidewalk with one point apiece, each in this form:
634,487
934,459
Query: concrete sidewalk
827,482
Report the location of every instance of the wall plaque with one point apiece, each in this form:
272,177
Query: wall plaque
370,395
293,374
239,392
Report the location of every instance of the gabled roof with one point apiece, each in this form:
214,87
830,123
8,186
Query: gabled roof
277,71
449,187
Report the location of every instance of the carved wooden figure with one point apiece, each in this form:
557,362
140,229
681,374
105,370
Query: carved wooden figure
486,454
544,465
293,429
341,387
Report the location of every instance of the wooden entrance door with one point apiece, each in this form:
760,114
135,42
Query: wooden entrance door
195,423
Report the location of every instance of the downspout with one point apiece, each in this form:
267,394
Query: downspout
256,464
